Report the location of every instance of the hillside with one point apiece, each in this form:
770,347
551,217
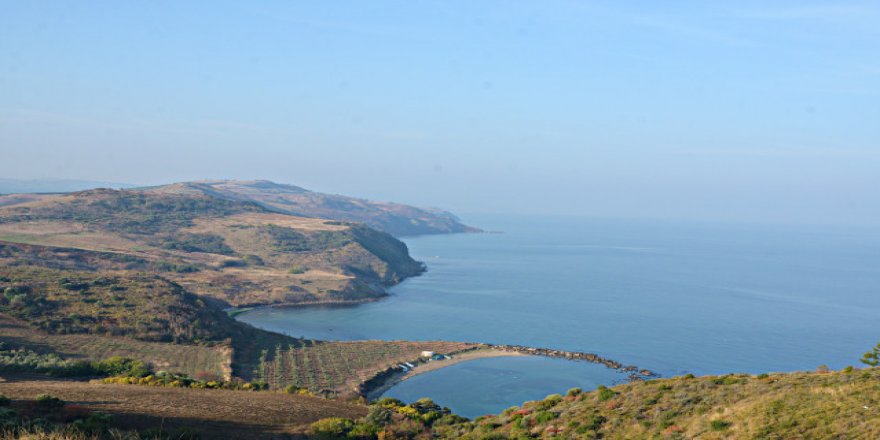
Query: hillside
236,252
145,275
171,413
826,405
393,218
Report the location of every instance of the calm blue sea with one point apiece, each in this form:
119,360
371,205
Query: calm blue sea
673,297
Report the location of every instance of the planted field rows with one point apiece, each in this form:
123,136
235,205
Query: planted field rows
339,367
188,359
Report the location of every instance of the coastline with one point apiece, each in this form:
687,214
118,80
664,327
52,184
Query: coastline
235,312
396,376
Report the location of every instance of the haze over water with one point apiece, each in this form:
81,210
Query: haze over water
673,297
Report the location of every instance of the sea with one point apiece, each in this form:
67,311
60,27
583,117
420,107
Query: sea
674,297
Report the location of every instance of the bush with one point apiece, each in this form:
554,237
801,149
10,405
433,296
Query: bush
253,260
605,393
121,366
727,380
574,392
47,401
378,416
720,425
332,428
27,361
426,405
390,403
297,270
872,358
545,416
363,431
595,422
4,401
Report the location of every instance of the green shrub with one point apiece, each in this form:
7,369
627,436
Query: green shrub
595,422
27,361
121,366
390,403
574,392
872,358
297,270
727,380
332,428
363,431
47,401
545,416
95,422
720,425
549,402
605,393
4,401
378,416
253,260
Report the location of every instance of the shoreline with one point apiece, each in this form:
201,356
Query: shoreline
394,376
235,312
373,388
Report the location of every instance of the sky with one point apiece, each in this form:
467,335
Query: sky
740,110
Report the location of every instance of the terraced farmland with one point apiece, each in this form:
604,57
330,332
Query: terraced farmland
339,367
184,358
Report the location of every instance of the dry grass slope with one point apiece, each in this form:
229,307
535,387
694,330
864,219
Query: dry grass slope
214,413
777,406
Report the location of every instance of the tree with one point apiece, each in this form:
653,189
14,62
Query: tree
872,357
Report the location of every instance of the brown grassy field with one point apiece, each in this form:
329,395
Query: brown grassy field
216,413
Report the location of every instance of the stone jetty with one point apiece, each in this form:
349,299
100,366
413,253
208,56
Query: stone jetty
634,372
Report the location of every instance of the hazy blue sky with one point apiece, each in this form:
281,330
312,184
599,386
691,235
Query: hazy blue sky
741,110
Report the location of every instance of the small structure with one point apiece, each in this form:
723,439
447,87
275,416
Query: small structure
427,354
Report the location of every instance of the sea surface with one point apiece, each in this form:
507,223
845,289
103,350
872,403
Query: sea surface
673,297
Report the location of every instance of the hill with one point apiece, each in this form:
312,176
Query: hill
393,218
826,405
832,405
169,413
236,252
145,275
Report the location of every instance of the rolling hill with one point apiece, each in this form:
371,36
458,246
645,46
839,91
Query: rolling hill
393,218
237,252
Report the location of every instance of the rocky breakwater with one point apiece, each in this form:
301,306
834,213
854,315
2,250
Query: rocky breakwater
635,373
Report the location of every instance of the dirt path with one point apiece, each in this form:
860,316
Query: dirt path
227,414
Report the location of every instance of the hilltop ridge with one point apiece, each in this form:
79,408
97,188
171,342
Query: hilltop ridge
235,251
394,218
